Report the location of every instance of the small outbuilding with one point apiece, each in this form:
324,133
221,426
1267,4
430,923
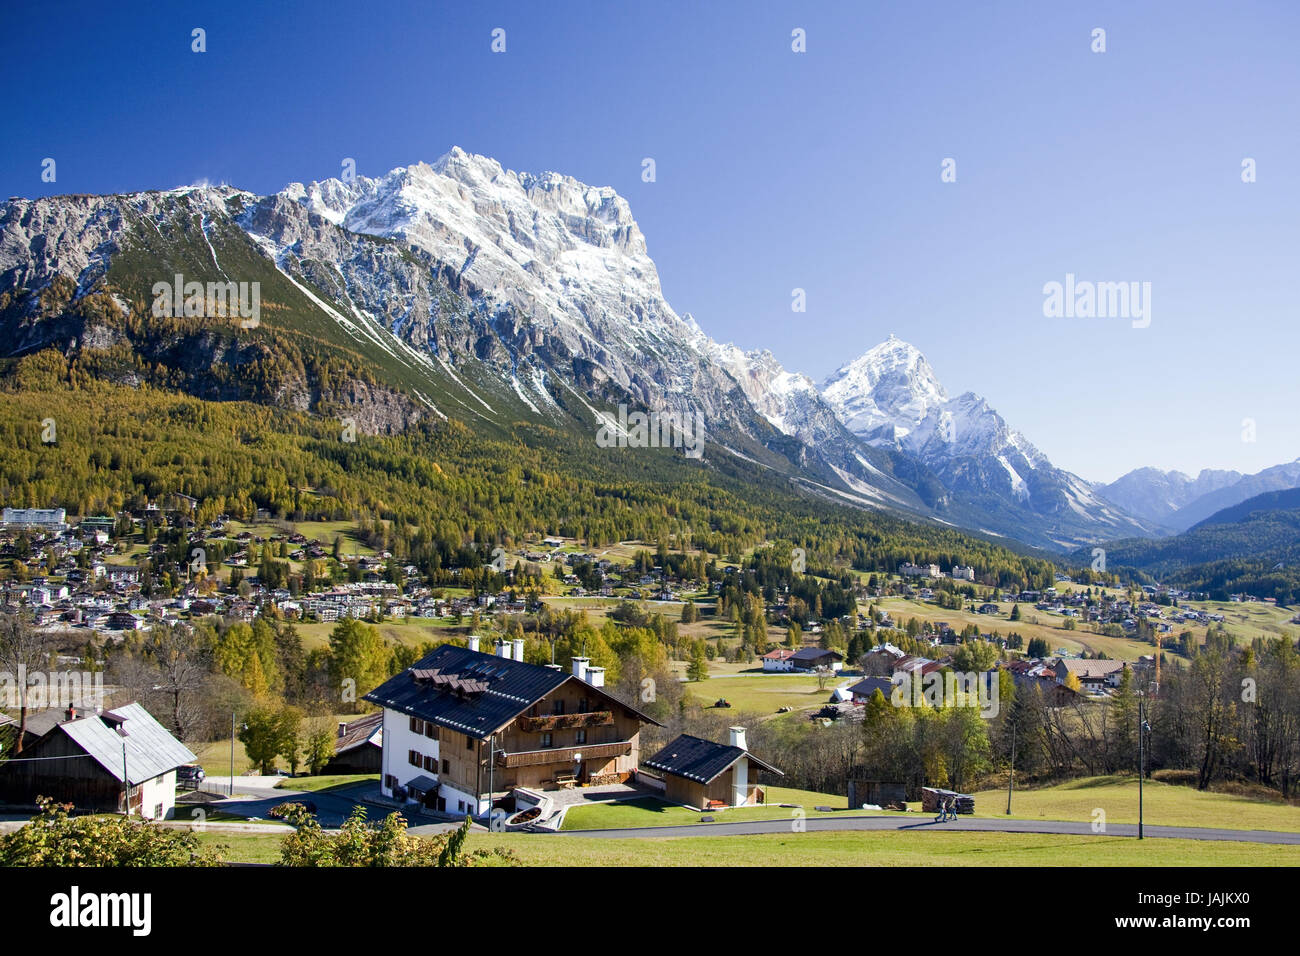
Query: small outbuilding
100,761
359,747
705,775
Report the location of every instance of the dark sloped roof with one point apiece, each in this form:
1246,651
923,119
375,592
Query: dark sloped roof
509,687
814,654
358,732
150,750
41,722
699,760
423,783
869,685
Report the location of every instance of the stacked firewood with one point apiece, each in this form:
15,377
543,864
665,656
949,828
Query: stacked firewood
932,798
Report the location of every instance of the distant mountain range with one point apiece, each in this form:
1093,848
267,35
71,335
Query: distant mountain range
462,290
1252,546
1177,501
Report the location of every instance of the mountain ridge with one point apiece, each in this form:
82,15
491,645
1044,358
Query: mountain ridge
1179,501
485,294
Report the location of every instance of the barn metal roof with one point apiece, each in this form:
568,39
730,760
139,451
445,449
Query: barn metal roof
364,730
150,750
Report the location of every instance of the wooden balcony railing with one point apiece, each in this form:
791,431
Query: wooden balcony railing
564,755
596,718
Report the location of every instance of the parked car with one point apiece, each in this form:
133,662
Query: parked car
189,775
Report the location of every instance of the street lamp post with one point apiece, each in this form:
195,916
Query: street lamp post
232,753
1143,729
1011,780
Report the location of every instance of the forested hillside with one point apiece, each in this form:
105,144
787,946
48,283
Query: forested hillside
430,489
1251,548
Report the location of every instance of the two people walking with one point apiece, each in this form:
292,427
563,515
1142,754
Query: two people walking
947,809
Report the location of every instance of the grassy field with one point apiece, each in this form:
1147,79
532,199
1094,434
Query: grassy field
325,782
1048,627
412,631
762,693
1164,804
655,813
1077,800
214,758
1245,621
935,848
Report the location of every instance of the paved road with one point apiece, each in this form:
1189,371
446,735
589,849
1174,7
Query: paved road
926,824
332,807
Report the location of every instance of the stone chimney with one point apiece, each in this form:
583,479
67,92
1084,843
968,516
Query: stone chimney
738,738
580,667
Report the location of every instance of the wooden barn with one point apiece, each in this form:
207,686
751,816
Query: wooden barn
91,761
359,747
705,775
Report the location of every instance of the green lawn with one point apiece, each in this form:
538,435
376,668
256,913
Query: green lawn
214,758
934,848
413,631
649,812
886,849
325,782
1164,804
763,693
244,847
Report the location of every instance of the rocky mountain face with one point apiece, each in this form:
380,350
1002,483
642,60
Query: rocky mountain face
1178,501
1277,478
890,397
460,289
1157,495
884,394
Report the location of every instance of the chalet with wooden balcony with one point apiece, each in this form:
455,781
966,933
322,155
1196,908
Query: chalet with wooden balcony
462,729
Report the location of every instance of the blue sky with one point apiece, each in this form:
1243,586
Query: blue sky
778,170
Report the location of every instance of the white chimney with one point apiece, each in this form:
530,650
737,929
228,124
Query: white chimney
473,642
596,676
519,648
502,648
580,667
738,738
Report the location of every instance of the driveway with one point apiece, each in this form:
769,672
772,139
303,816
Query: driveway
255,796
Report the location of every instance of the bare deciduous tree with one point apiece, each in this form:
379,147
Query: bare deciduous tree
23,651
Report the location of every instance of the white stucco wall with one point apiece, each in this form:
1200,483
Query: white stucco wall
399,741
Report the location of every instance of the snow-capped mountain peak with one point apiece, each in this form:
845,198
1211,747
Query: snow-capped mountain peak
504,293
886,392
